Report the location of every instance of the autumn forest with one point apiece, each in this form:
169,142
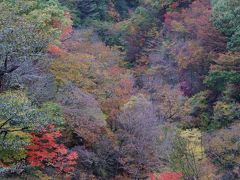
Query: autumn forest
120,89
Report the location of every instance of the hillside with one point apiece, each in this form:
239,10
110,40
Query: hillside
120,89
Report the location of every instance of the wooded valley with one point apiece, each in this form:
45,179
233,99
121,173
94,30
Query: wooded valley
120,89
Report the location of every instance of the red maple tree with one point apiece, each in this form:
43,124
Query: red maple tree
166,176
46,152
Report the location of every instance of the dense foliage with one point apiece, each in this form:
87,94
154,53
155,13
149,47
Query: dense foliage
120,89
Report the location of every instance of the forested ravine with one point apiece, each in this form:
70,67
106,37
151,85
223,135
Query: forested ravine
120,90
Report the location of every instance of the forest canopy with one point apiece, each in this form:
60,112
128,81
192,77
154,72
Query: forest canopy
120,89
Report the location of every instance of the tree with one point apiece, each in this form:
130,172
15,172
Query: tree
20,41
96,69
25,33
196,22
168,102
101,160
224,113
225,18
19,116
44,14
218,80
87,10
195,42
139,32
225,70
183,156
44,151
138,137
221,147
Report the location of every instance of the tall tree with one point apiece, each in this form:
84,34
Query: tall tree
226,18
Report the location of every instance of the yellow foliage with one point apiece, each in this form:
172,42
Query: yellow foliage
75,68
42,176
134,100
12,154
194,138
178,26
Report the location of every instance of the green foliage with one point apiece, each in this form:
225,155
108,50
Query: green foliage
162,5
42,14
51,112
198,103
12,149
86,10
19,112
26,29
210,113
20,40
225,17
224,113
122,7
158,4
205,120
218,80
108,35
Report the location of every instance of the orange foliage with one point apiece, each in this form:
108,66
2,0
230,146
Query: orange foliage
115,71
122,93
55,50
66,32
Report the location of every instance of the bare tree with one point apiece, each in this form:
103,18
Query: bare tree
138,136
